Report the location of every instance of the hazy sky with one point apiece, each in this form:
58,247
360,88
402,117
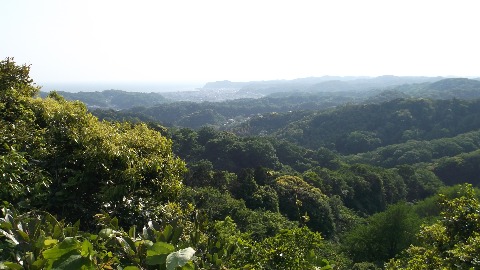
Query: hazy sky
206,40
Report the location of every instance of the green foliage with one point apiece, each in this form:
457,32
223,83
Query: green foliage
19,180
453,242
217,205
365,266
414,151
459,169
225,151
305,203
55,155
186,143
106,164
36,240
461,88
15,80
347,128
264,197
293,155
261,224
361,187
420,183
291,249
226,114
382,235
375,188
19,136
361,141
228,152
201,118
297,248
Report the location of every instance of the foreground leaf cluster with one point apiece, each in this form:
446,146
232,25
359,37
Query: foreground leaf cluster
37,240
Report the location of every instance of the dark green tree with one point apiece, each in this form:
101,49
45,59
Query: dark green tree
383,235
305,203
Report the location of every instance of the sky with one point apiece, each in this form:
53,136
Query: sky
201,41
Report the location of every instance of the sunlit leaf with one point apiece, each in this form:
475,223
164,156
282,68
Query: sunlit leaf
5,225
67,245
72,260
24,235
49,242
105,233
87,249
132,231
11,265
179,258
57,231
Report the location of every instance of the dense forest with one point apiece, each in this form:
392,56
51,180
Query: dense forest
362,176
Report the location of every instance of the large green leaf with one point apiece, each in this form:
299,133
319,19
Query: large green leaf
87,249
127,244
5,224
50,242
10,265
67,245
72,260
179,258
24,235
106,233
157,253
57,231
132,232
167,233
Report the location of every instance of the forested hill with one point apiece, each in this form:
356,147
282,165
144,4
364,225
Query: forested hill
360,128
233,112
113,99
461,88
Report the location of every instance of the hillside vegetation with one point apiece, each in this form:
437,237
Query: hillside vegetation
113,99
360,128
371,183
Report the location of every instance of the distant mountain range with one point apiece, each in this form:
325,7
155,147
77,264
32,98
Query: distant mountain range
461,88
298,94
320,84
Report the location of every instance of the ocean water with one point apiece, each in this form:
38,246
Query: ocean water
146,87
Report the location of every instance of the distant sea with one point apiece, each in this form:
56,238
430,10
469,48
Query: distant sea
146,87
